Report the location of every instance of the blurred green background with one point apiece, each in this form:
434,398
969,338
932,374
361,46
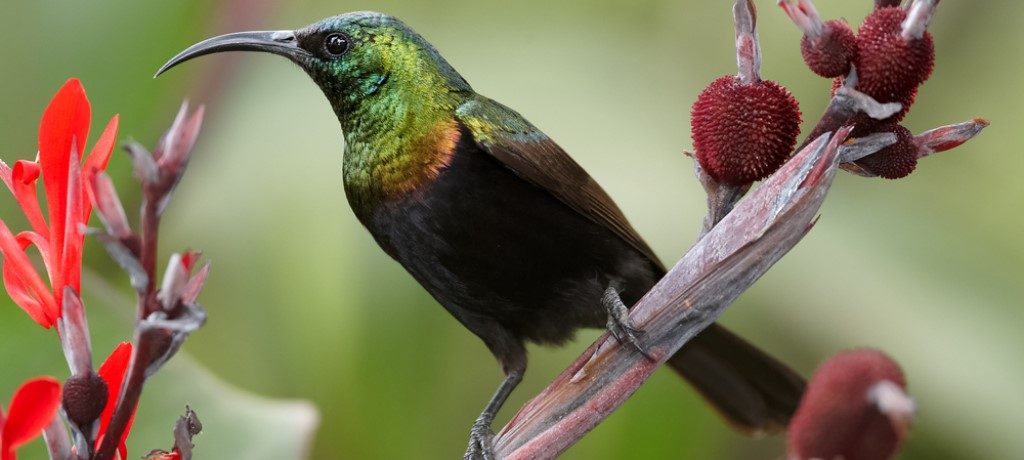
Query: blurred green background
304,306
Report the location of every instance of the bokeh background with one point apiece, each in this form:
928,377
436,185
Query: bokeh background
311,325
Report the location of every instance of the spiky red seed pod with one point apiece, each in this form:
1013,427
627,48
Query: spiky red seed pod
889,67
830,54
895,161
885,3
744,132
841,413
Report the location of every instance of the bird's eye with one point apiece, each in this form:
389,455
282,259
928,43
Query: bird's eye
336,44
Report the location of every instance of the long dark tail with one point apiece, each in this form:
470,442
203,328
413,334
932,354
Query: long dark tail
755,392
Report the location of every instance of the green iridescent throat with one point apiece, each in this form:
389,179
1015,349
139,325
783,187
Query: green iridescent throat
395,99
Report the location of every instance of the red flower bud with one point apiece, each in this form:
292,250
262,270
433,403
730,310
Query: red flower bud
85,396
895,161
744,132
855,408
890,67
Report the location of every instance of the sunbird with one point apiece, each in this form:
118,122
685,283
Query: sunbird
493,218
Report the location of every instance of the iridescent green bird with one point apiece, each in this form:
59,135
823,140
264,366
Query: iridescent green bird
495,220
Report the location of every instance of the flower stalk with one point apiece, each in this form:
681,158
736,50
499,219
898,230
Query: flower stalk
164,317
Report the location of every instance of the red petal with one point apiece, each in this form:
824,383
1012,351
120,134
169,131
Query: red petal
27,238
65,124
189,258
112,372
32,407
23,298
98,158
19,273
70,273
23,182
16,289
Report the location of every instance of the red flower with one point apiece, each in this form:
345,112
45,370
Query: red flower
33,406
112,371
62,136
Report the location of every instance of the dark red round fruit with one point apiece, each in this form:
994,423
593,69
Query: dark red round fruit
836,419
895,161
84,398
889,68
744,132
831,53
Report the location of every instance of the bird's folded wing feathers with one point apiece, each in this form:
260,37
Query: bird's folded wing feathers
532,155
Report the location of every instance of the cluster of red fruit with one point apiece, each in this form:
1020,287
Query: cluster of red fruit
743,130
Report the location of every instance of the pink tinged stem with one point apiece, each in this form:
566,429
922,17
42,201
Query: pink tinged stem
716,270
948,137
721,198
58,444
748,49
805,16
918,18
74,334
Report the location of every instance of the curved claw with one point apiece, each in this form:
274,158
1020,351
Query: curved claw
481,442
619,324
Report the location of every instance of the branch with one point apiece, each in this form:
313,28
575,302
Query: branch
719,267
166,313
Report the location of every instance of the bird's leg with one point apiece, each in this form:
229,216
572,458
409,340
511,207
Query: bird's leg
619,324
481,437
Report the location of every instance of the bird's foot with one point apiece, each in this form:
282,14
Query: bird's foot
481,441
619,324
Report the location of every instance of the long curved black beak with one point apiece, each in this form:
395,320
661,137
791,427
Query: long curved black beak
280,42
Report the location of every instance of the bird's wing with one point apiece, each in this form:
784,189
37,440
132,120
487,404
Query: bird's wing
532,155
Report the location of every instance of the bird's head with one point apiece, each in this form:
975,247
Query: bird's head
353,57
